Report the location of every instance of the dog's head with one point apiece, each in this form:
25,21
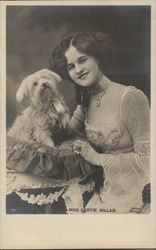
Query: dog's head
40,87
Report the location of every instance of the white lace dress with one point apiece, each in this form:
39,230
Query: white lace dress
120,128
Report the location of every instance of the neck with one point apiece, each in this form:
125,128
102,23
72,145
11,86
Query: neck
100,86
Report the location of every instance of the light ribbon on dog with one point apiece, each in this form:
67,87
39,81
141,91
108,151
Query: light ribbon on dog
59,107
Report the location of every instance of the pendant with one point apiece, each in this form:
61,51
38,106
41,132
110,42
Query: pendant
98,103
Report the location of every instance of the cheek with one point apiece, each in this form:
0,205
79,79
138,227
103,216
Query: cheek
94,66
71,74
92,63
96,69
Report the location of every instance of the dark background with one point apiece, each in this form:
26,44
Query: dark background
33,30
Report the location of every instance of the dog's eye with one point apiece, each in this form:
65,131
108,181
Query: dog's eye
35,83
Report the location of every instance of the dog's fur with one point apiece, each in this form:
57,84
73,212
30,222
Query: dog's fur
47,114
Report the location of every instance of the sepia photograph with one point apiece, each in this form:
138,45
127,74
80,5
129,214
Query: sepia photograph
78,98
78,103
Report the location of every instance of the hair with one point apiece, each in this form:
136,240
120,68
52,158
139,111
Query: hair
94,44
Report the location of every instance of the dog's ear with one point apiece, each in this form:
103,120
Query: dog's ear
48,73
56,76
22,91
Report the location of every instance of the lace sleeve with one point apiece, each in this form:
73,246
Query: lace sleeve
135,114
129,168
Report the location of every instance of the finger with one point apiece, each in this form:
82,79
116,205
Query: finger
77,150
79,143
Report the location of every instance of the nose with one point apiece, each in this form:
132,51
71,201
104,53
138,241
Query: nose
79,69
44,85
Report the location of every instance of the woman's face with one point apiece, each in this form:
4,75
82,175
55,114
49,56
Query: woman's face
83,69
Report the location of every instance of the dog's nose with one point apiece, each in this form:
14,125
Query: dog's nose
44,85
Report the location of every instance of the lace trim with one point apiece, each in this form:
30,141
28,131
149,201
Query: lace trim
71,191
41,198
73,197
142,147
109,137
127,89
15,182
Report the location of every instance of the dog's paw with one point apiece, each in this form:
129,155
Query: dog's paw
41,150
50,144
66,145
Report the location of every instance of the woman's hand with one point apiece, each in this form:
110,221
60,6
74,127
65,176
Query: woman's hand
84,149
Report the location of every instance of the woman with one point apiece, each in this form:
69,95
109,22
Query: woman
115,117
114,120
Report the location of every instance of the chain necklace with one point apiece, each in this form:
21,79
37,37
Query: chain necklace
98,101
101,93
100,89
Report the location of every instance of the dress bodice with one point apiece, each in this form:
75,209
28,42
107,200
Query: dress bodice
107,138
109,132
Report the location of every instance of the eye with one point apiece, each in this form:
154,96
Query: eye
82,59
70,67
35,83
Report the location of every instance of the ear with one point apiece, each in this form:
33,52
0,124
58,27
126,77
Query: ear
49,73
56,76
22,90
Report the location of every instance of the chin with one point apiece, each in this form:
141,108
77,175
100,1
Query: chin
86,83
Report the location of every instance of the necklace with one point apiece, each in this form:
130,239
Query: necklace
98,101
100,89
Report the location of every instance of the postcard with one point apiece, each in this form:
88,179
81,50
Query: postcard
78,124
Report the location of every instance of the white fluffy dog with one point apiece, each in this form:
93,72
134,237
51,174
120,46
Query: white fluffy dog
47,114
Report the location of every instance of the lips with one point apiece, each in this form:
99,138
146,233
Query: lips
82,76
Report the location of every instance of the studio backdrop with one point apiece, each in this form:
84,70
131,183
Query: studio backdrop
32,31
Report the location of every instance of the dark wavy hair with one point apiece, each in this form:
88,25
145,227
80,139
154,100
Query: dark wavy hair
95,44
